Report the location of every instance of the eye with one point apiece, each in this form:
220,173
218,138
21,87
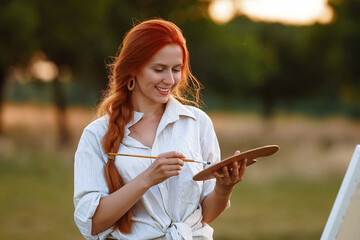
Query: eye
176,69
158,69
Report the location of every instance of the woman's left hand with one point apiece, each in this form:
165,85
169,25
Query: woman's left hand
229,175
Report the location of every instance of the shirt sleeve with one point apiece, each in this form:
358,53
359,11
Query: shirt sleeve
210,152
89,183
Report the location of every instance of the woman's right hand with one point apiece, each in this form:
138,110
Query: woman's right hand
116,204
166,165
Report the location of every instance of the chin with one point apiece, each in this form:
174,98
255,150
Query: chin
163,99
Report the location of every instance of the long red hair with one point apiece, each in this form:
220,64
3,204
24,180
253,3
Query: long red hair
138,47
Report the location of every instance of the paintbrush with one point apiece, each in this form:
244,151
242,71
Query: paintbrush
140,156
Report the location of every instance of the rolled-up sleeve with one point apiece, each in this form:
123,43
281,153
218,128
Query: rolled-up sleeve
89,183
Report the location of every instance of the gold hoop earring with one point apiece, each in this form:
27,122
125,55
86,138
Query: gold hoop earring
131,84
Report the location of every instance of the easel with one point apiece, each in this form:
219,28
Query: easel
343,222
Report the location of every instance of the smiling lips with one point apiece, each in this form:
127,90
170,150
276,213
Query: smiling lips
163,91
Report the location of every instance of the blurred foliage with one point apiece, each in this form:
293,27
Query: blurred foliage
242,63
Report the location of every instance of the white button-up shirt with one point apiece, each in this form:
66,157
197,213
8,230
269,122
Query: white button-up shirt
169,210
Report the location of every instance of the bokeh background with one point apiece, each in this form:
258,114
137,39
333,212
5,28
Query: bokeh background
274,72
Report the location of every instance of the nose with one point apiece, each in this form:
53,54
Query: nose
169,78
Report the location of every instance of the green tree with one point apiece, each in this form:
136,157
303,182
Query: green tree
343,53
333,53
72,33
18,21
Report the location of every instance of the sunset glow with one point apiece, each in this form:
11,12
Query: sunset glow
295,12
222,11
43,69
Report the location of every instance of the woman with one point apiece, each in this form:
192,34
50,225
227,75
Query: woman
139,198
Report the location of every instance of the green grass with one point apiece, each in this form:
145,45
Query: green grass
36,196
286,208
37,187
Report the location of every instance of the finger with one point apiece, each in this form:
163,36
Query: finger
242,161
242,169
170,161
228,180
170,167
174,173
171,154
168,171
225,172
235,166
176,167
219,177
235,171
169,174
176,161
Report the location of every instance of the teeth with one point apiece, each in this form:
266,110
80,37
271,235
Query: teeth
163,89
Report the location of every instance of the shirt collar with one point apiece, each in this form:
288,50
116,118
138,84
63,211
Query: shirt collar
174,109
136,118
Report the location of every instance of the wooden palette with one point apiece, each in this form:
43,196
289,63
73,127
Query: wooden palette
251,156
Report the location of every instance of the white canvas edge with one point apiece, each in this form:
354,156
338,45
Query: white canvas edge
343,198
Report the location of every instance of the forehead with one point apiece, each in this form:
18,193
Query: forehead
171,54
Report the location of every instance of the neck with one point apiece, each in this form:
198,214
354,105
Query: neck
149,109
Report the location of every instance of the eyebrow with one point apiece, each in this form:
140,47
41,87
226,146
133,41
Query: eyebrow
165,66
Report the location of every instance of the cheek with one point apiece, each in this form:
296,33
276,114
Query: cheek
147,77
154,76
177,79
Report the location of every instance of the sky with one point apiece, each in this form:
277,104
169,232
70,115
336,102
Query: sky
292,12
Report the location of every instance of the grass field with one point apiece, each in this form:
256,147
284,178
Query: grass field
286,196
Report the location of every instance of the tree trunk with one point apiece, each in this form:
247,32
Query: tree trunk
2,89
60,104
268,104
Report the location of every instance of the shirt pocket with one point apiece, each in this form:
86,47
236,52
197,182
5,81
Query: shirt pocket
190,190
